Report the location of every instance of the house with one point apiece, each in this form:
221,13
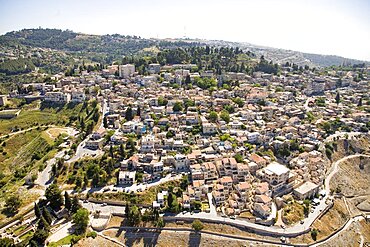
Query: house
94,143
261,209
181,162
227,182
154,68
209,128
160,198
185,201
126,177
306,190
3,100
262,188
261,162
147,144
210,172
263,199
100,133
243,189
125,71
57,97
275,174
218,198
78,96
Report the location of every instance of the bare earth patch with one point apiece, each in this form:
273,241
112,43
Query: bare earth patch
97,242
352,177
115,221
170,238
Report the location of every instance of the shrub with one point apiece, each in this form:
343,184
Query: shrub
197,225
92,234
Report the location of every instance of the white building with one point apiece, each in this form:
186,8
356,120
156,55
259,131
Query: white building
306,190
78,96
147,144
276,175
57,97
154,68
126,177
209,128
181,162
125,71
3,100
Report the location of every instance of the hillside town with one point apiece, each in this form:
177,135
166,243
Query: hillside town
254,148
250,146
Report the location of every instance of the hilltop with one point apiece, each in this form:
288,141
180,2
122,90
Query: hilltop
110,47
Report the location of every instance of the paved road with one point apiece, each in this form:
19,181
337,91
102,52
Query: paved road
18,132
43,177
91,206
104,110
82,152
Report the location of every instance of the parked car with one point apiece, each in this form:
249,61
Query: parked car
233,217
104,204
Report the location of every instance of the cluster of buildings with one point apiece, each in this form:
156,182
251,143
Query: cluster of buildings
233,160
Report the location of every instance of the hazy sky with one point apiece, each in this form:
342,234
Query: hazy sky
340,27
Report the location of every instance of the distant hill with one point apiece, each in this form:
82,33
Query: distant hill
115,46
282,56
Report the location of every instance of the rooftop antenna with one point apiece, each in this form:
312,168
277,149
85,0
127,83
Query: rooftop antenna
184,32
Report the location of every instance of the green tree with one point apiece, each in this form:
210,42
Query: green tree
134,218
75,205
13,203
43,224
238,101
54,196
81,220
162,101
40,236
129,114
105,122
187,79
314,234
337,98
177,107
359,102
238,157
37,210
47,216
213,116
197,225
7,242
225,116
67,201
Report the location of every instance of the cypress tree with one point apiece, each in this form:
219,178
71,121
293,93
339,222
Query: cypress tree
67,201
37,210
47,216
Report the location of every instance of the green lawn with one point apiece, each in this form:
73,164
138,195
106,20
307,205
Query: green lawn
34,117
64,241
